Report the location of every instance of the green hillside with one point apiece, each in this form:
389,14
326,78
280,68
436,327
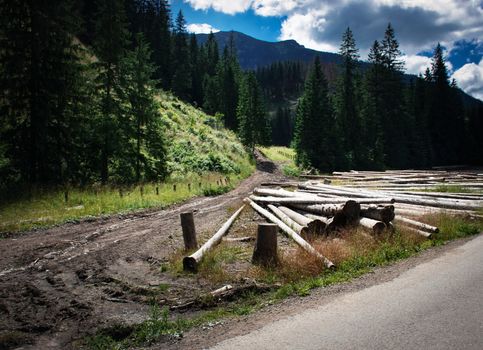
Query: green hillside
203,159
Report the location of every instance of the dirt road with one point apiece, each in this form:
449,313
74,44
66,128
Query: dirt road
57,284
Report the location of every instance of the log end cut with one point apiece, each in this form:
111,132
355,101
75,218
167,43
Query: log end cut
190,264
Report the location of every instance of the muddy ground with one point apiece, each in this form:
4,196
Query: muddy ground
59,284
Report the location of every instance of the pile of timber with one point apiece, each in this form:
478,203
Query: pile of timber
373,200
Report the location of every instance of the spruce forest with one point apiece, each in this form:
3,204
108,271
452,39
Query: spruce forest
80,95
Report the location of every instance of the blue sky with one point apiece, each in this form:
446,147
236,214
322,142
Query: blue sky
318,24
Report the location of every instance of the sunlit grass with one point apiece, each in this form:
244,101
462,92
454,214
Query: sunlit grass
283,156
47,208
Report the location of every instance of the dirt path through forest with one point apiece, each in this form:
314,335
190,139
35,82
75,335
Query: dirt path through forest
58,283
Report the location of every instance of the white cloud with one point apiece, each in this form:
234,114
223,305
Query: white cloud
470,79
230,7
416,64
201,28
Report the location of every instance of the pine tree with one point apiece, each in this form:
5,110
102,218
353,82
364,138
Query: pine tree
40,69
347,104
143,118
372,101
315,135
110,45
182,70
196,72
228,79
446,120
254,126
393,122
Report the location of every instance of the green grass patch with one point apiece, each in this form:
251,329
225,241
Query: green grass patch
283,156
48,207
201,157
450,189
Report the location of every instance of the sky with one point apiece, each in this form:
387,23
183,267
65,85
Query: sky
319,24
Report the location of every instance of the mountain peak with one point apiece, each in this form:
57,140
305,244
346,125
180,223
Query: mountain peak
253,53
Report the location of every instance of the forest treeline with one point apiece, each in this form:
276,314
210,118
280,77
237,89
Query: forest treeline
373,116
79,82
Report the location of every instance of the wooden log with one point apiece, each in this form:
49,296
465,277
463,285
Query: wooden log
331,224
315,226
309,200
265,251
419,232
291,233
189,231
419,225
301,230
281,193
377,227
350,210
190,263
239,239
384,214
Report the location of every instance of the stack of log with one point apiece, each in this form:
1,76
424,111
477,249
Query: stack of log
375,201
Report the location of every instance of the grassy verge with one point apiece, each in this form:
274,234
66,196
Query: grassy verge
283,156
297,274
47,208
451,189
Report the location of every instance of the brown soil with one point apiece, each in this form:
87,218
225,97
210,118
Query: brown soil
59,284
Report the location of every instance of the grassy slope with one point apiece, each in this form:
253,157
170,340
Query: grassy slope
203,158
284,156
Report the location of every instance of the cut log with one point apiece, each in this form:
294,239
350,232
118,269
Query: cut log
239,239
301,230
307,200
419,225
350,210
291,233
189,232
265,252
384,214
419,232
331,224
315,226
190,263
377,227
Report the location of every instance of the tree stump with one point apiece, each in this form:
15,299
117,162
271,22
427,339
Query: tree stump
265,252
189,231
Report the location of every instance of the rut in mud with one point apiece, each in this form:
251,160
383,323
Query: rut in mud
58,284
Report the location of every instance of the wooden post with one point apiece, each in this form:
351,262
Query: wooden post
265,252
189,187
120,192
199,184
189,232
174,187
66,196
157,191
141,190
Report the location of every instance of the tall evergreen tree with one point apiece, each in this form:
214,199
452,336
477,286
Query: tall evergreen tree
143,123
110,46
315,132
393,122
228,79
446,119
182,70
39,78
254,126
372,102
347,104
196,72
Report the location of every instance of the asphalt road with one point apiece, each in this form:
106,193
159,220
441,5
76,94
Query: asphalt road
436,305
